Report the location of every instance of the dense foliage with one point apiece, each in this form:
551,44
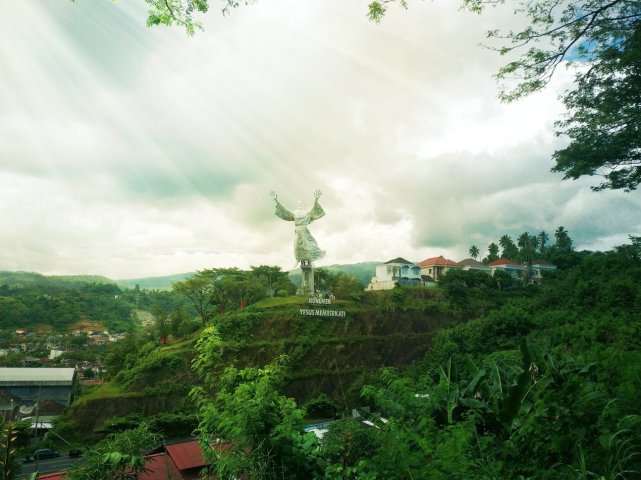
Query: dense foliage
30,301
544,384
117,457
217,290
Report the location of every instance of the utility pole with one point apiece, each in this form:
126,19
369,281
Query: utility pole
35,434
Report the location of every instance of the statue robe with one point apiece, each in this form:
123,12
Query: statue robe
305,246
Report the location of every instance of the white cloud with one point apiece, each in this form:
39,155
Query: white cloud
129,151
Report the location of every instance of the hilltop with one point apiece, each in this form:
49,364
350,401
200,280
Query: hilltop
32,279
153,283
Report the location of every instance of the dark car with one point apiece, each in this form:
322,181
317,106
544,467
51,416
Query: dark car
46,453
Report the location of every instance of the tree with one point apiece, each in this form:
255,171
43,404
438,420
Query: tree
118,457
274,279
200,291
325,280
8,439
265,427
474,251
378,8
604,116
542,238
527,244
563,240
347,287
603,119
492,253
178,12
508,247
216,290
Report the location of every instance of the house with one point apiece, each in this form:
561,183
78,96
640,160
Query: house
538,267
472,264
188,458
9,405
33,385
177,461
55,353
508,266
436,267
397,271
159,467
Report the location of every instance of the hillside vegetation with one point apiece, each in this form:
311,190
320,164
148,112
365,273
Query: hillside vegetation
543,384
468,380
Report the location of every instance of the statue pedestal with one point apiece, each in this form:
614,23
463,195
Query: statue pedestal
307,277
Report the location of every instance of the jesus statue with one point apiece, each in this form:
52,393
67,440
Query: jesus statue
305,247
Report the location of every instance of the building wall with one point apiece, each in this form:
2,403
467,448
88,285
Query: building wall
30,394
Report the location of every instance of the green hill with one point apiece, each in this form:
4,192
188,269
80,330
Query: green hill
153,283
30,279
334,356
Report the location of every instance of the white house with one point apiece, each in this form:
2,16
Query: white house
508,266
395,271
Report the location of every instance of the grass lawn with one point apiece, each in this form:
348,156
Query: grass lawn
268,302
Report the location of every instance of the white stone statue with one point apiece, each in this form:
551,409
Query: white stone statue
305,246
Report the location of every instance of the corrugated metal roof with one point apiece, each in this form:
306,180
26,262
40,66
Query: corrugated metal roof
10,375
52,476
186,455
159,467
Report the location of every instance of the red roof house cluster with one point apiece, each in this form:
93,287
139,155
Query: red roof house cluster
178,461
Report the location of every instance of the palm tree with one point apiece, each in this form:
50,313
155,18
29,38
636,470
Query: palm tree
493,252
528,244
563,240
543,238
509,250
474,251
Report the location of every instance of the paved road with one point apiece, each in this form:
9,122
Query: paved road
49,465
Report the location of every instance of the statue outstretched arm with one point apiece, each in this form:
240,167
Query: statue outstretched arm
317,211
281,211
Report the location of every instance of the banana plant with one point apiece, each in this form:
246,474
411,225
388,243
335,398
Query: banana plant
7,444
500,392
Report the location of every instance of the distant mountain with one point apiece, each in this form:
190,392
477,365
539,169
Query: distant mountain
362,272
153,283
31,279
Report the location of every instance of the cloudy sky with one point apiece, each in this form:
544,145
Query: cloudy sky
132,152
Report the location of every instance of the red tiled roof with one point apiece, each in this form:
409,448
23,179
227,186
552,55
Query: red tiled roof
186,454
159,467
502,261
440,260
52,476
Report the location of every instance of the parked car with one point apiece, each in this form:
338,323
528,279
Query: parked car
46,453
75,453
